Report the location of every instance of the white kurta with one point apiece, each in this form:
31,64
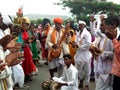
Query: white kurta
70,76
97,27
17,68
2,56
58,62
49,44
83,41
18,75
83,56
93,27
49,41
5,74
5,32
104,65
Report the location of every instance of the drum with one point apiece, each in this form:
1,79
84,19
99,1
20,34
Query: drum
54,86
55,53
46,84
49,85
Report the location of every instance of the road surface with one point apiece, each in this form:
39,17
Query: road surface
43,74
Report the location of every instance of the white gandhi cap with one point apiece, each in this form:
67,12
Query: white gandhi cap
82,22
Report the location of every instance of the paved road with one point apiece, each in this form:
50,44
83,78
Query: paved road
42,75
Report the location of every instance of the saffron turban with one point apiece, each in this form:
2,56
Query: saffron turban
58,20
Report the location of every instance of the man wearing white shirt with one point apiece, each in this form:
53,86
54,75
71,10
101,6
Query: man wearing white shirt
55,36
69,79
5,33
6,82
92,24
5,23
83,55
97,34
105,61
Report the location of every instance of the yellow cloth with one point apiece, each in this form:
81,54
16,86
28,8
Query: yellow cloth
26,20
4,85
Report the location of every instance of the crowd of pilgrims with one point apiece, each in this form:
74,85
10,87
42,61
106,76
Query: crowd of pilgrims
93,52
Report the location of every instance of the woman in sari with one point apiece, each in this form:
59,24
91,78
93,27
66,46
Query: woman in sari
28,65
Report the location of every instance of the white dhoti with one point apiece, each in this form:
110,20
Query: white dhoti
68,88
84,70
57,63
18,75
104,82
96,74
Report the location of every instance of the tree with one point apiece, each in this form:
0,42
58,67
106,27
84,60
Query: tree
81,8
39,21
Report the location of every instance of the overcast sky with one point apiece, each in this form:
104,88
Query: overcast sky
115,1
35,7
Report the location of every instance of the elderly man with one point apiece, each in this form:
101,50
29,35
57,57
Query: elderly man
83,56
55,40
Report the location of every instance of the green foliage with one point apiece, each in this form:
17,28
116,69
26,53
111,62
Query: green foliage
34,21
38,21
84,18
82,8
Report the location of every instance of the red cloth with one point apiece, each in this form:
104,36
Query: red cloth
44,51
25,36
28,65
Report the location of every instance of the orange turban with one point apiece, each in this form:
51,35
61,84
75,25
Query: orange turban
58,20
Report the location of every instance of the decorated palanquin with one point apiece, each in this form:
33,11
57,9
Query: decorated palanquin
19,16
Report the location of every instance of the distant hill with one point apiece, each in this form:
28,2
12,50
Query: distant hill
51,17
